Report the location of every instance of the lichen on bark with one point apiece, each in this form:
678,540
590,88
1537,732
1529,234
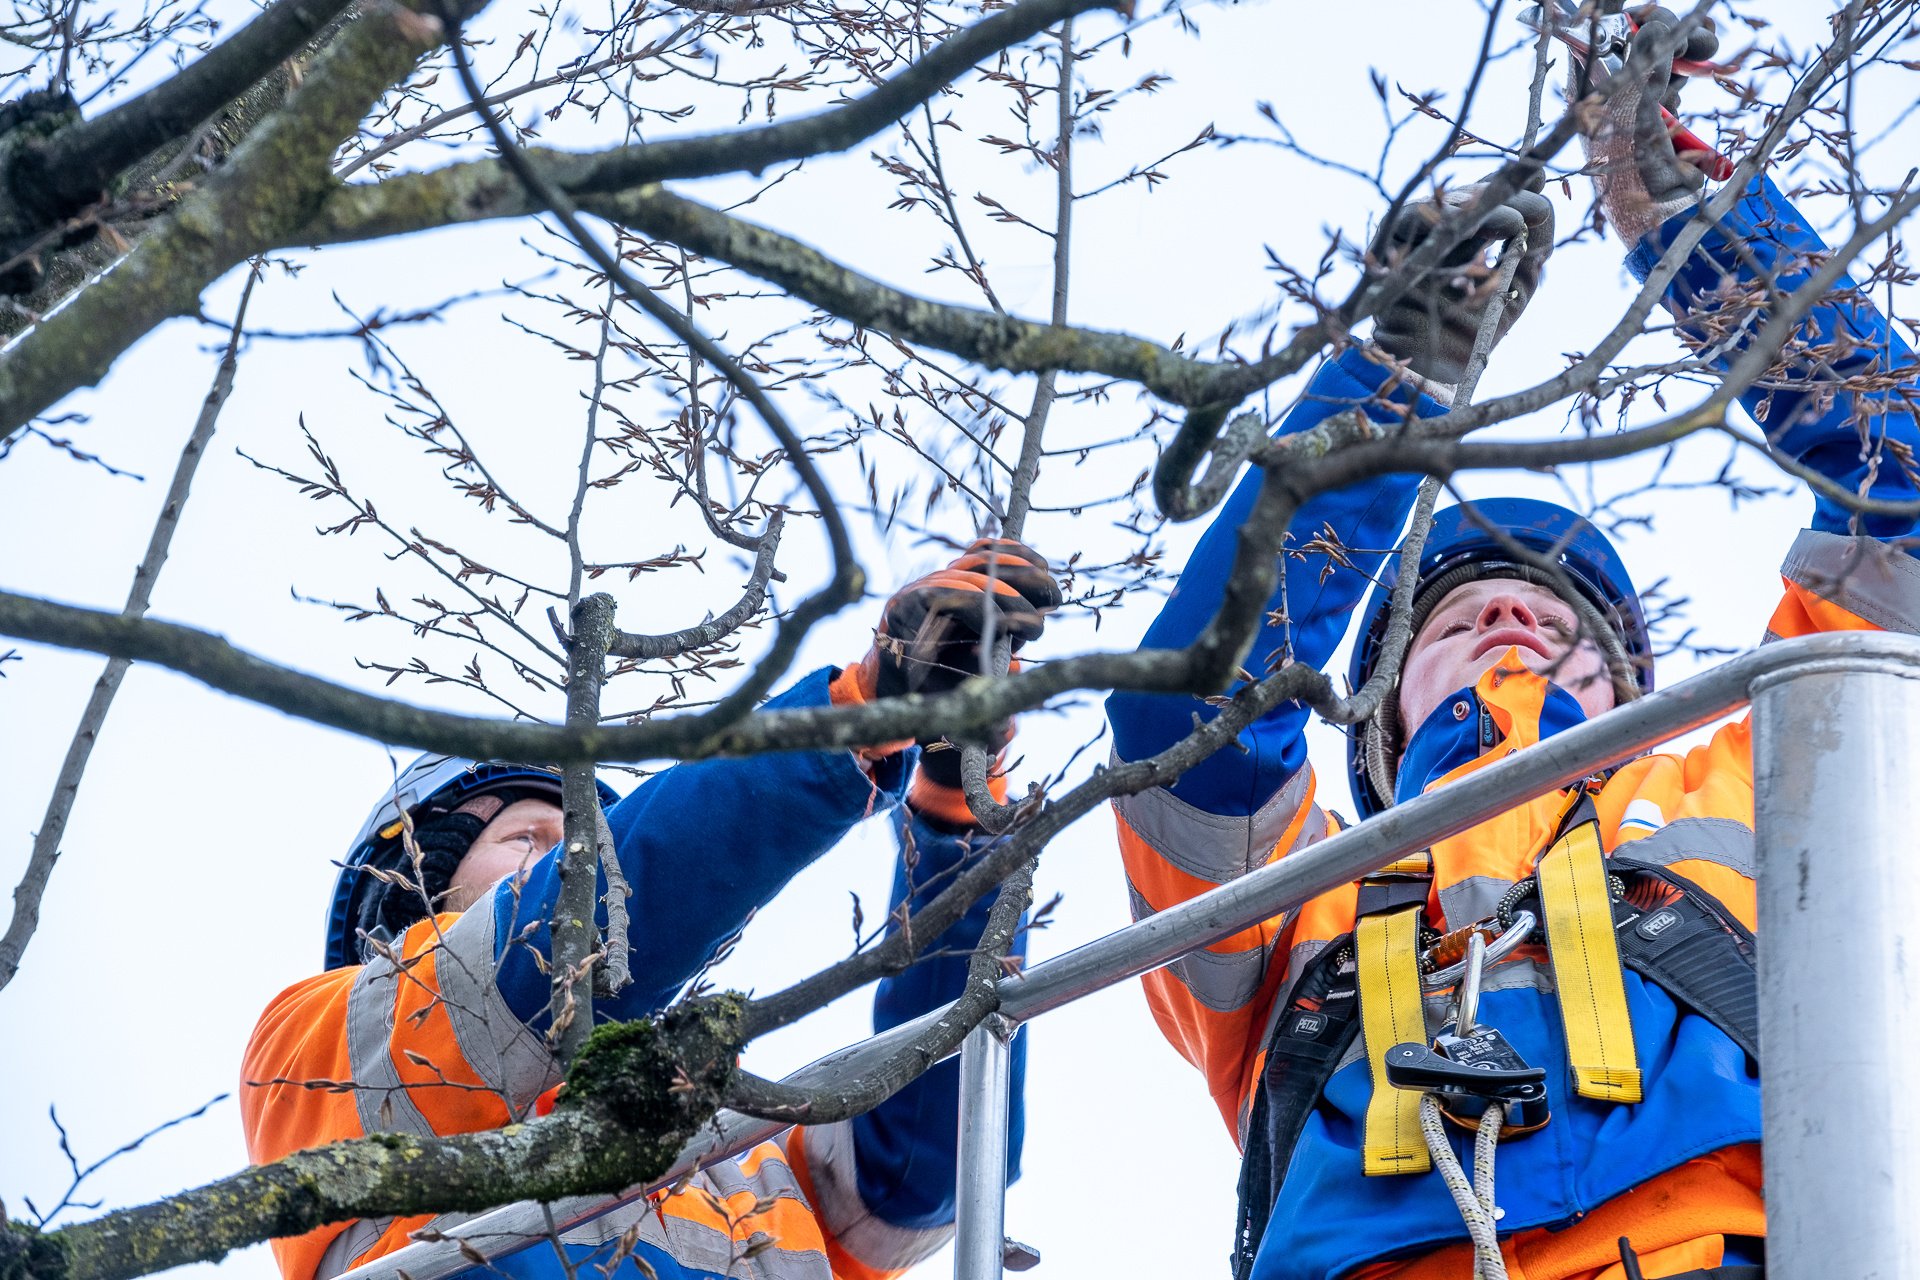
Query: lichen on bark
637,1093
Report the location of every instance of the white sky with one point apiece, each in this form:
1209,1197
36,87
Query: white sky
196,867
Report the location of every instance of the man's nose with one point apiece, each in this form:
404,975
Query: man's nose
1507,611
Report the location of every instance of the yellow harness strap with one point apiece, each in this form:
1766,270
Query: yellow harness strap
1387,951
1586,967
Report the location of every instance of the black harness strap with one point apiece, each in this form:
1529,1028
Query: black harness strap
1694,949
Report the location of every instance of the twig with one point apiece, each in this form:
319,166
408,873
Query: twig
53,824
576,938
847,582
688,639
996,654
618,970
576,562
80,1175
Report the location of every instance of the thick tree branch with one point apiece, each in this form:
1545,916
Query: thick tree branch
712,631
635,1095
211,660
771,1100
54,178
983,337
271,185
576,935
488,189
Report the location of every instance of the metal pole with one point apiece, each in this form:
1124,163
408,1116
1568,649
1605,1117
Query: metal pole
980,1232
1838,831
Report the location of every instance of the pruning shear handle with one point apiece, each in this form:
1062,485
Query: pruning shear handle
1601,41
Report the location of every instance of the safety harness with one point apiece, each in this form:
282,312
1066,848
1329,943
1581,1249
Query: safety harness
1599,917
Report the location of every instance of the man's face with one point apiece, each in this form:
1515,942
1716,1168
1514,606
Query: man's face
1472,629
516,838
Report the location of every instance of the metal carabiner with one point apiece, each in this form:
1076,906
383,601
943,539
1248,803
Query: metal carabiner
1501,947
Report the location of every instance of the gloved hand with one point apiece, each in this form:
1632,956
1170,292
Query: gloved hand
1641,179
1433,324
929,636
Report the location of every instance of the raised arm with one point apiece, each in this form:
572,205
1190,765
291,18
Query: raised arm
1241,808
1841,400
703,845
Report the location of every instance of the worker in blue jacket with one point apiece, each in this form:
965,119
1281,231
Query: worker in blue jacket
1649,1127
434,1001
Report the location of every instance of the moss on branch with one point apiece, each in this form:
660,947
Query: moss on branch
637,1094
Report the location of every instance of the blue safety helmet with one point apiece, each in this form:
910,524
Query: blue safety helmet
1460,549
431,785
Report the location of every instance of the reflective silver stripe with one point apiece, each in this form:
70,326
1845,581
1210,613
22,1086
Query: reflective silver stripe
501,1050
1720,840
868,1237
1211,846
1299,958
700,1247
346,1248
1471,899
1862,575
1222,981
378,1095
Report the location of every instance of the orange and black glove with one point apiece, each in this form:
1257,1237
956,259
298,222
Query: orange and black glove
928,640
930,632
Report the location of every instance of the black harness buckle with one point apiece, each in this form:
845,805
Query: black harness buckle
1467,1074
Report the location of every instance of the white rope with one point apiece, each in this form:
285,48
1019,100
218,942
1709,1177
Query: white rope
1474,1199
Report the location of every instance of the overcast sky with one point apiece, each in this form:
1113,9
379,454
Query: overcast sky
197,865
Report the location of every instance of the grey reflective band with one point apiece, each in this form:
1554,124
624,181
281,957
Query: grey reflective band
1471,899
1720,840
1210,846
1864,576
378,1093
833,1171
1222,981
345,1249
498,1046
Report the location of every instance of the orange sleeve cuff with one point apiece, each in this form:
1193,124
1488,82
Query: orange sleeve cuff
949,804
852,686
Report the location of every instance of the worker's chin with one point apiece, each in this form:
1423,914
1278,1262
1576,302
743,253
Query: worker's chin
1512,660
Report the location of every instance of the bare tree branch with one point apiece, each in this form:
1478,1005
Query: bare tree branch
53,824
688,639
53,179
576,936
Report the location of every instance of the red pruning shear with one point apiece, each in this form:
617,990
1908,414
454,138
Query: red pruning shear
1601,40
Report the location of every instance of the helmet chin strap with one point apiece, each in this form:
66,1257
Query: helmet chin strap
1382,748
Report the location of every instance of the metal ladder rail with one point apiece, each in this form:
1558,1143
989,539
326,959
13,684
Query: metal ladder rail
1811,760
